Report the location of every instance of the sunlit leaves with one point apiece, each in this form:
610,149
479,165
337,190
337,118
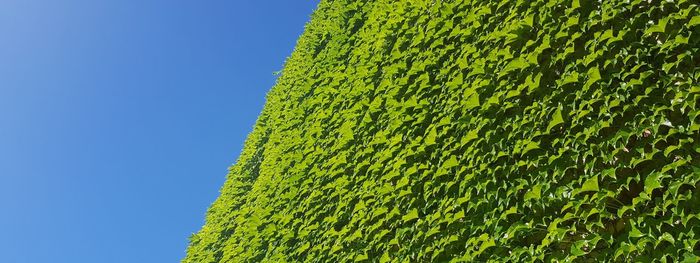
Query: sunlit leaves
480,131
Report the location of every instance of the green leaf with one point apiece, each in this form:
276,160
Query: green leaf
624,249
361,257
402,182
515,64
573,20
694,21
430,137
530,20
458,215
557,119
380,211
486,243
575,4
571,78
303,248
593,76
534,193
472,101
413,214
659,27
385,258
652,182
591,185
510,211
635,233
452,162
531,83
689,257
577,248
471,135
529,147
666,237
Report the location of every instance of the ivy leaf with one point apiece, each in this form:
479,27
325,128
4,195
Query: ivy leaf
385,258
652,182
472,101
452,162
361,257
380,211
573,20
658,28
591,185
303,248
487,242
624,249
666,237
531,83
458,215
690,257
529,147
556,119
430,137
530,20
575,4
534,193
413,214
402,182
515,64
577,248
694,21
570,78
593,76
635,233
471,135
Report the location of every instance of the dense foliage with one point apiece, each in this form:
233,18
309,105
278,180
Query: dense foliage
473,130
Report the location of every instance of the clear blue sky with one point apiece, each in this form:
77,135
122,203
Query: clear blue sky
118,119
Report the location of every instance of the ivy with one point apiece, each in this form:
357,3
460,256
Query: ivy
472,131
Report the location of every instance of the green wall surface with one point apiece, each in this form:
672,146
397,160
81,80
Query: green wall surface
472,131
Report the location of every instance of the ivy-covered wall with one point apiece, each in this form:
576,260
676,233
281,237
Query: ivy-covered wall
471,131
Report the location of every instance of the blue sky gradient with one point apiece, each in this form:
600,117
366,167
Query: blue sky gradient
118,119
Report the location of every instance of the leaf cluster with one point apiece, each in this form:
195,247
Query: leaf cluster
471,131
